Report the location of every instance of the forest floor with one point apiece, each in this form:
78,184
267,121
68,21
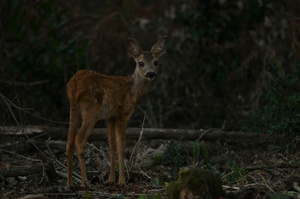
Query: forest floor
35,168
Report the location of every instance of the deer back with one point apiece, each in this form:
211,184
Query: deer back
109,96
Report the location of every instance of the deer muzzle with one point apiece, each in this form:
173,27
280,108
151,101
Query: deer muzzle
150,75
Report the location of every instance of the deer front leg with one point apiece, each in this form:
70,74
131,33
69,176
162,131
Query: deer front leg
112,152
121,141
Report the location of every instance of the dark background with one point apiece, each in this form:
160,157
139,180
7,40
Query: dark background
233,61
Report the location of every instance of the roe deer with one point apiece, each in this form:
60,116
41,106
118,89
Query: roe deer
94,96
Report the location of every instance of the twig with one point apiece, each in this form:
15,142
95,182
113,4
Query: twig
278,166
143,173
64,175
52,156
25,171
266,184
19,125
91,145
49,150
13,153
230,188
24,83
133,156
210,130
43,174
10,103
9,108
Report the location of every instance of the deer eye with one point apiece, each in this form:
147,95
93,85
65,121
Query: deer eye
155,62
141,64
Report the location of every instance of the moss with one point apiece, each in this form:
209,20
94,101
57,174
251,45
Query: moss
195,182
173,190
157,160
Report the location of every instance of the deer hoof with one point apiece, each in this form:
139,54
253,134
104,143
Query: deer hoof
112,186
85,185
123,188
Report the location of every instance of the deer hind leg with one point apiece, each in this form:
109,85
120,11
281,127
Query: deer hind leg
121,141
73,129
112,152
88,123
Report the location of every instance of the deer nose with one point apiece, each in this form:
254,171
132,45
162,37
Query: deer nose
150,75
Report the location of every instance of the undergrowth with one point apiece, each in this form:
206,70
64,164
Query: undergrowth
178,155
279,114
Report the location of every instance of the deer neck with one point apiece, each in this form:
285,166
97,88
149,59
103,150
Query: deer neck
139,85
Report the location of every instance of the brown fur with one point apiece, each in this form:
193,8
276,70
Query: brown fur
94,96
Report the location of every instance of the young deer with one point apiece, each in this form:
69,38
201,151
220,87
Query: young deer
94,96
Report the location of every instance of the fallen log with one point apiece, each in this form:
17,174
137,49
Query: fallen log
47,168
100,134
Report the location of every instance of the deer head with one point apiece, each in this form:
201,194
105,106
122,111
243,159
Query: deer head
146,61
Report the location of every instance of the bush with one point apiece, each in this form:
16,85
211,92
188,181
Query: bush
176,157
280,113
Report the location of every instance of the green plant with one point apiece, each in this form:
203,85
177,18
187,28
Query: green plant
157,182
150,196
196,152
234,173
282,196
200,151
157,159
175,156
178,155
280,114
87,195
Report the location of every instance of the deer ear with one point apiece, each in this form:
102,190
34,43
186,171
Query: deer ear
133,48
160,47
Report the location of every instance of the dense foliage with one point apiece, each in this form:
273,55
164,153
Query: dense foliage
38,53
280,114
